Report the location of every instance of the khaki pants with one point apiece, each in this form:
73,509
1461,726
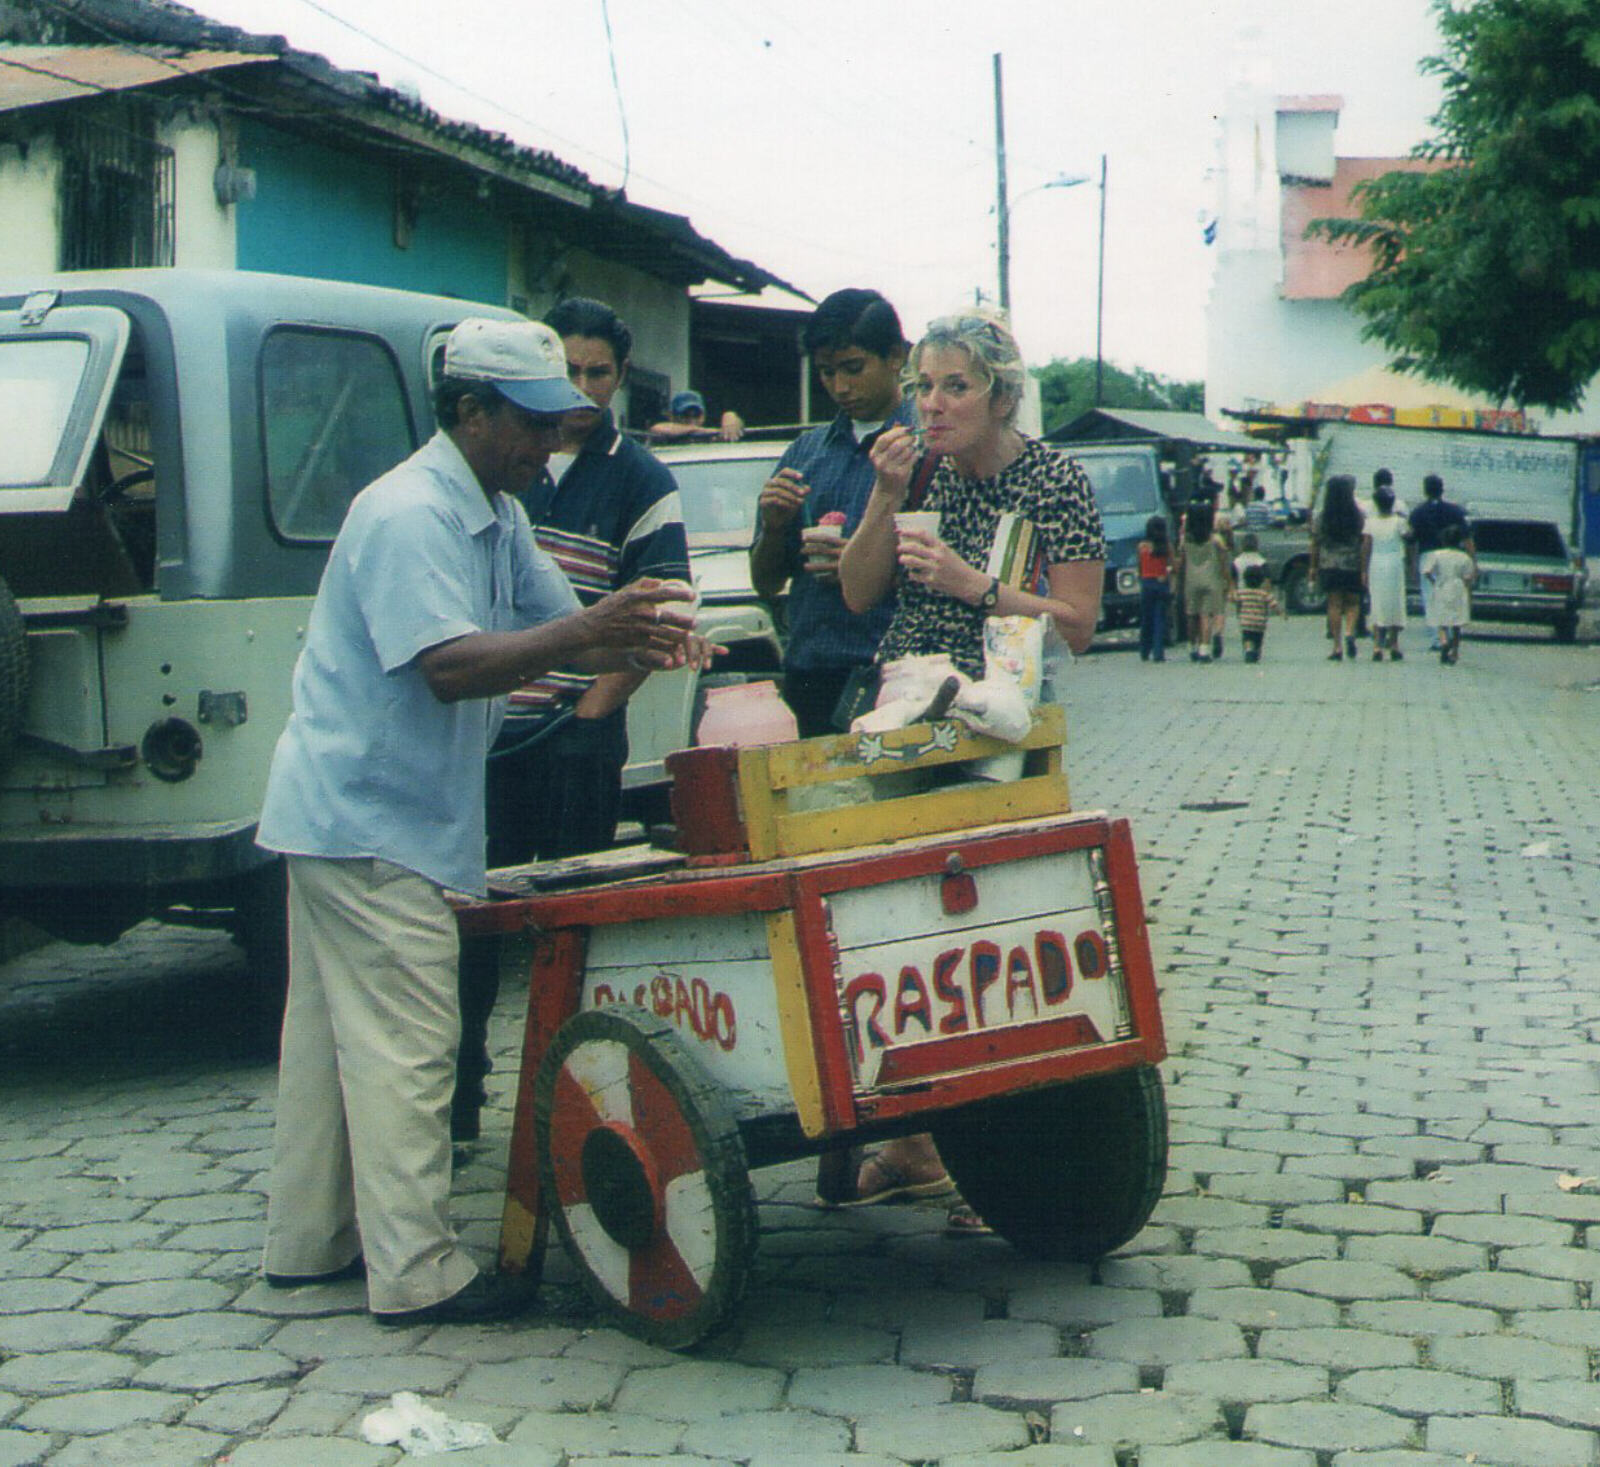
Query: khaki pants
361,1154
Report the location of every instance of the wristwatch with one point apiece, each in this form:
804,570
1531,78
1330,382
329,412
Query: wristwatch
990,598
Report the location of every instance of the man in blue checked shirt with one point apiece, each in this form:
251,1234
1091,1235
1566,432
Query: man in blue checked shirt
854,337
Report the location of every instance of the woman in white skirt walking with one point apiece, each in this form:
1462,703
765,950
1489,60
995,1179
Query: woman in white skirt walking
1383,573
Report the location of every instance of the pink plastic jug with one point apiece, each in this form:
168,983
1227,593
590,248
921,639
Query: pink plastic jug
745,714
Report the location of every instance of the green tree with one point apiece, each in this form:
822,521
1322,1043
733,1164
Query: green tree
1066,389
1486,271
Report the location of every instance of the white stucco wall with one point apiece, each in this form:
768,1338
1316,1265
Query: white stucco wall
28,218
204,236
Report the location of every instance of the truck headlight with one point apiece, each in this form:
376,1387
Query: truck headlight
1127,581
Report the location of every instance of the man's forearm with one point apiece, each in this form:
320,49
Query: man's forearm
769,563
487,664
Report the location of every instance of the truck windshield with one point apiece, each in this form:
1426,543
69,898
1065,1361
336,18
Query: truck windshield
719,497
39,382
1124,484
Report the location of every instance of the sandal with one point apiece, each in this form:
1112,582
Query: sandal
882,1181
962,1222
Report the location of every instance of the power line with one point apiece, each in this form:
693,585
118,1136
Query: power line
616,89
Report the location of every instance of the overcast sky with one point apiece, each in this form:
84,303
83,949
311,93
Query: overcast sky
851,142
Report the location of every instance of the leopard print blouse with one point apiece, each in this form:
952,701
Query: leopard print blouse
1043,485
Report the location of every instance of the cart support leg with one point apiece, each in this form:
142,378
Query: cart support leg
555,982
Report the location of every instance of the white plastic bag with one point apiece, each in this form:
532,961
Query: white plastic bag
420,1430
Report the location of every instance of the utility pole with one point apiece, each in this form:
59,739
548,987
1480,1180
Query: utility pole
1100,296
1002,207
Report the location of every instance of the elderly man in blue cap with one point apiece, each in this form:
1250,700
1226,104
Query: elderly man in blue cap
435,602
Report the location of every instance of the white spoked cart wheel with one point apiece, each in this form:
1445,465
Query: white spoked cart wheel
642,1166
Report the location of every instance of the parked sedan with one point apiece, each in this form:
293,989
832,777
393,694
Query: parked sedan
1527,574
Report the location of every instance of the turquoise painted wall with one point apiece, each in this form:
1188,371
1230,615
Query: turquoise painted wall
320,211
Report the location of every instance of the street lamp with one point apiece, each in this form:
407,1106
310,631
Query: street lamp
1064,180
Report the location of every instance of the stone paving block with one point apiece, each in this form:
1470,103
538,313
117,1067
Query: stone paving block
1580,1265
1351,1217
39,1295
58,1330
22,1448
137,1265
1350,1168
89,1412
1510,1357
1133,1420
66,1370
1565,1402
605,1434
1420,1257
147,1446
1420,1393
967,1347
1335,1279
1163,1342
826,1459
237,1410
1225,1454
1263,1308
1276,1189
941,1431
1325,1426
791,1346
752,1433
1502,1441
543,1385
1043,1454
897,1308
1244,1382
866,1390
1500,1290
677,1459
1265,1245
1035,1383
205,1331
383,1375
1209,1212
1337,1349
324,1451
1422,1317
1075,1307
1174,1275
1580,1327
159,1297
209,1370
606,1345
1395,1459
694,1390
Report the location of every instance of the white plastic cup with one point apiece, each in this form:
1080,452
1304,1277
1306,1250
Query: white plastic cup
917,519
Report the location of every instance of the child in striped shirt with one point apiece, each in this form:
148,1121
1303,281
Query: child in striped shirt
1256,603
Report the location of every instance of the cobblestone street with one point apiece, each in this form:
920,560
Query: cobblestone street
1376,922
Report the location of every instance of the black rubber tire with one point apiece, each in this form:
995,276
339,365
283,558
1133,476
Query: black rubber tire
14,673
261,928
1566,628
1300,593
1068,1172
622,1109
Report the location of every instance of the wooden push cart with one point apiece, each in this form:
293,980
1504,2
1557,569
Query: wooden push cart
970,961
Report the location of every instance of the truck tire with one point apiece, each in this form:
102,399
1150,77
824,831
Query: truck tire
13,673
1300,593
1068,1172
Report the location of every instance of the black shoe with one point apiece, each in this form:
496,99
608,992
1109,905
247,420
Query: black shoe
1216,646
356,1268
490,1296
1350,647
1396,655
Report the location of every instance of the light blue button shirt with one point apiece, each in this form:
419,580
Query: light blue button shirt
371,763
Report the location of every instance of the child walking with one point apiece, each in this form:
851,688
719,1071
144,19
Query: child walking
1256,603
1155,590
1450,571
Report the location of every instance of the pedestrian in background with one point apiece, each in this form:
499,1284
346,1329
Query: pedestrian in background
1428,521
1155,589
1203,555
1451,572
1256,603
1336,562
1384,540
